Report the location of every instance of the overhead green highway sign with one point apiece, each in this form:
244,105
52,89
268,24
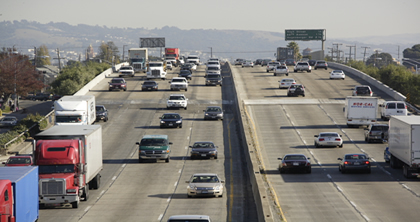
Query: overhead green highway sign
304,34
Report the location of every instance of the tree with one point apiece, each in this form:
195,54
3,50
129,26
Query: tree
109,52
295,48
17,75
379,59
413,53
42,56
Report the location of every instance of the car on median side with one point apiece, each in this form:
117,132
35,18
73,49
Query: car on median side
170,120
118,84
213,112
101,113
337,74
321,64
149,85
295,162
205,184
205,149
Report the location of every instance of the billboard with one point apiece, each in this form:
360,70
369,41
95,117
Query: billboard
304,34
152,42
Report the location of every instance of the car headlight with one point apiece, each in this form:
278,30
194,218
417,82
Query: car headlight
179,121
220,114
217,187
206,114
110,85
162,121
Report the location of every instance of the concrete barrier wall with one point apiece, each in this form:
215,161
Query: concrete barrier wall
256,179
372,82
97,79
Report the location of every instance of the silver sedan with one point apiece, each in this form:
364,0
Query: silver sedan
330,139
8,121
337,74
205,184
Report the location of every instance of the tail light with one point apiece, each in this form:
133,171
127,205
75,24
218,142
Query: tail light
345,162
321,139
337,139
308,164
284,164
367,162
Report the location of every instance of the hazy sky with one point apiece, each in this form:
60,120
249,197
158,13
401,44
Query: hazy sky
351,18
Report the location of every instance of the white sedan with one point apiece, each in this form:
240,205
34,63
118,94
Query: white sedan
205,184
331,139
248,63
337,74
281,70
285,83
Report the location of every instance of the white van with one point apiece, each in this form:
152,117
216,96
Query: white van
392,108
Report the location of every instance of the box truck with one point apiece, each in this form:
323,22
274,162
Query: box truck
404,144
172,55
75,110
19,194
284,53
138,58
69,160
360,110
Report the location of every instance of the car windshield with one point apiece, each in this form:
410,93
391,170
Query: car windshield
48,169
337,71
100,109
214,109
192,57
176,98
294,157
153,142
117,81
125,68
363,89
8,119
296,86
19,160
178,80
320,62
281,67
68,119
212,68
149,83
203,145
380,128
287,80
209,76
204,179
328,135
170,116
355,157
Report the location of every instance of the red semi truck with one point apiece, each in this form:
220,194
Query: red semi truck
172,54
69,160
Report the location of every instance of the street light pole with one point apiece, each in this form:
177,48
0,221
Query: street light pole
211,52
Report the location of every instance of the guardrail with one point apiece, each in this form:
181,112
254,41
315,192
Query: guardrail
372,82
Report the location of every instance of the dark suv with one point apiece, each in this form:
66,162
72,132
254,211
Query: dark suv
101,113
376,132
321,65
296,90
214,79
118,84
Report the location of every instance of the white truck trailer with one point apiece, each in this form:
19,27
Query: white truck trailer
75,110
404,144
137,58
360,110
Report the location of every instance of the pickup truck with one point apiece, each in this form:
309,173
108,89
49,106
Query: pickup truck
302,66
179,83
126,71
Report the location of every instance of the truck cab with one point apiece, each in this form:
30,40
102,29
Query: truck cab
156,70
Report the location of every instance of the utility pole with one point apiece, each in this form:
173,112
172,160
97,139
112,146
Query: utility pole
364,54
34,58
123,58
59,59
337,51
399,54
332,51
351,46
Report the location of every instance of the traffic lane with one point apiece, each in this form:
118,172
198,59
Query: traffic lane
215,207
143,190
302,197
377,181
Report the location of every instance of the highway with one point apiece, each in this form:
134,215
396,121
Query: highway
132,191
282,125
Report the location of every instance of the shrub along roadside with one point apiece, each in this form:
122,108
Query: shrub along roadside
21,127
394,76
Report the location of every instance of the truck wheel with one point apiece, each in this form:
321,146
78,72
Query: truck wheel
267,71
287,74
341,146
295,71
186,90
392,162
96,182
185,108
275,74
75,204
309,70
85,194
167,160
